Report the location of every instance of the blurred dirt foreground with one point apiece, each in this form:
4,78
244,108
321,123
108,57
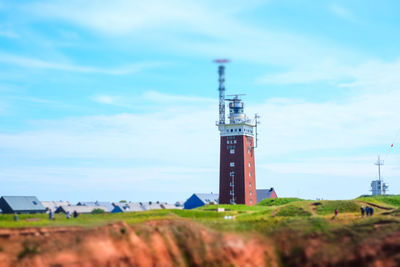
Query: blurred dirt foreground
155,243
180,242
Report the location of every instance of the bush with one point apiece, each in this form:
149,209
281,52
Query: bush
292,211
278,201
29,248
343,206
393,200
98,211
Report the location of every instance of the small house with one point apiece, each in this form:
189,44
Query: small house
107,205
21,204
79,209
198,200
54,205
128,207
265,193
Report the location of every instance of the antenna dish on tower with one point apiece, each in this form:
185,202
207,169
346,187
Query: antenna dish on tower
221,60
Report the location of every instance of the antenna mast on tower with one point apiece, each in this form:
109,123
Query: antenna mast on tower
378,187
256,123
379,163
221,89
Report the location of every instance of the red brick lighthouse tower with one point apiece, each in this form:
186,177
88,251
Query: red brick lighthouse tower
237,176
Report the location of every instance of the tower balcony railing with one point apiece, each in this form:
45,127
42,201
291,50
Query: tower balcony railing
232,193
231,184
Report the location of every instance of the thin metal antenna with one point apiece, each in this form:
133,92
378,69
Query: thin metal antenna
221,89
256,121
379,163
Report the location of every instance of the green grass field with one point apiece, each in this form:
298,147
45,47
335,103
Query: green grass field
384,201
299,232
267,214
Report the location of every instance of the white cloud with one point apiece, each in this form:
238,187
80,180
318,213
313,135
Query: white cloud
166,135
42,64
326,70
186,138
2,108
206,28
288,127
151,97
369,75
363,121
342,12
123,17
108,183
8,34
339,166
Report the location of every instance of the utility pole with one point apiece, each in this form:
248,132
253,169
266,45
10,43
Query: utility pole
379,163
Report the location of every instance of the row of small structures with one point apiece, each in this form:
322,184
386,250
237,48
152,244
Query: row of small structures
31,204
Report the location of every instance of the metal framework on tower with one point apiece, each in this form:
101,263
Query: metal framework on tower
378,187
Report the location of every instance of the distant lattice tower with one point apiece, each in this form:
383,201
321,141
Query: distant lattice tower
237,176
378,187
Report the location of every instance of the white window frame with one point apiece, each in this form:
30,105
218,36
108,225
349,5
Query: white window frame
232,151
232,164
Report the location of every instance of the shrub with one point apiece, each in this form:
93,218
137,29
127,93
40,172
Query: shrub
97,211
28,248
292,211
343,206
278,201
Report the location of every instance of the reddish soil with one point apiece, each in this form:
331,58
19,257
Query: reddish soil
157,243
378,245
185,243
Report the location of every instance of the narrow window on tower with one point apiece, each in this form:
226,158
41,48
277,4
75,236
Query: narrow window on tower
251,201
249,164
234,141
251,193
232,164
232,173
232,151
249,184
249,173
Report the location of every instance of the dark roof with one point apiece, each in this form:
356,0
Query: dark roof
207,198
264,193
23,203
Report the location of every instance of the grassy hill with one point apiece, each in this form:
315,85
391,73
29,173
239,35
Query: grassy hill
273,210
296,232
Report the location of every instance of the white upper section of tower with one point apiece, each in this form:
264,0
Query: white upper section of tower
236,113
236,129
239,124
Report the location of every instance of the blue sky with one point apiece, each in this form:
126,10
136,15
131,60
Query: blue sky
115,100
